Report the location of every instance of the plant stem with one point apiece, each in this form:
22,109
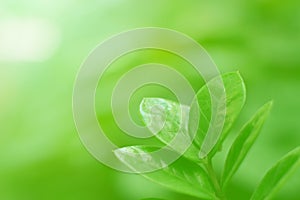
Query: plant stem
210,170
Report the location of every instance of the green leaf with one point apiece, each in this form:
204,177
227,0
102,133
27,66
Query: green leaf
164,118
277,175
181,176
243,142
169,120
235,98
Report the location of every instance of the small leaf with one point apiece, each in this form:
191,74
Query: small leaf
181,176
169,120
243,143
164,118
277,175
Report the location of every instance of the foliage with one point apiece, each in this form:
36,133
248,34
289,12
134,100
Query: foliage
192,174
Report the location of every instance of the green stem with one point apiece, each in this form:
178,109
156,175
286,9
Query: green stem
210,170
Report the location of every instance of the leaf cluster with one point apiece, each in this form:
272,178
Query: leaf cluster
192,173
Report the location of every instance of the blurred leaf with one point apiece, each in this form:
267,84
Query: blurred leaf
182,176
243,142
235,99
277,175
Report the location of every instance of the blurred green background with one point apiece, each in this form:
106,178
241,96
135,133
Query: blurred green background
43,43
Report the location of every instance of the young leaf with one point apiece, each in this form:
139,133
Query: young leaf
277,175
182,176
235,99
167,120
164,118
243,143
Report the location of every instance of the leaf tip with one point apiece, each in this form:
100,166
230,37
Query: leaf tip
268,106
119,152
